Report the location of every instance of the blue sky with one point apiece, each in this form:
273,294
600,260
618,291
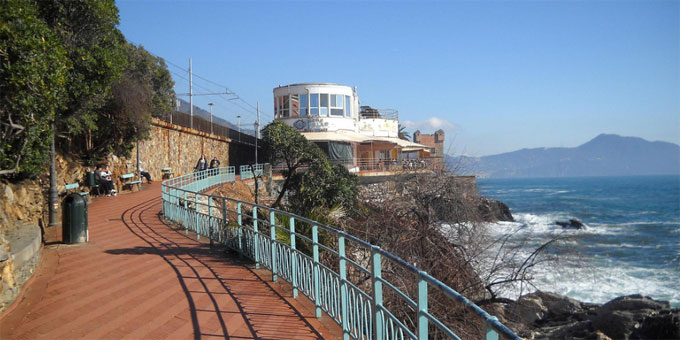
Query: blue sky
496,76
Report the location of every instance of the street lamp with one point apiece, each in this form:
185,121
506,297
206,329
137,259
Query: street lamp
239,128
211,115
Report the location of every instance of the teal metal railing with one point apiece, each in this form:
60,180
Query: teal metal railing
246,172
288,245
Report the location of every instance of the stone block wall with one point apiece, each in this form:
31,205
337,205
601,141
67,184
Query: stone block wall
177,147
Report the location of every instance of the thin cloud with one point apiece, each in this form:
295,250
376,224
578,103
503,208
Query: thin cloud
432,124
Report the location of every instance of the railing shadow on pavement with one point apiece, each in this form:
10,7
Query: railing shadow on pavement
163,240
274,239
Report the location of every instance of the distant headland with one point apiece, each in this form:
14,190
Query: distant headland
604,155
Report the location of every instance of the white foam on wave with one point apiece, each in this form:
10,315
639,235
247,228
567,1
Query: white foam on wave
596,280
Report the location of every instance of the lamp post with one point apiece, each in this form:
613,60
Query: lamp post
52,204
239,128
211,115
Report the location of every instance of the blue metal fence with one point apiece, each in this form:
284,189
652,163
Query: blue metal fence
288,245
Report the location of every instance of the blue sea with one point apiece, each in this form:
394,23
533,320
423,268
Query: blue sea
631,244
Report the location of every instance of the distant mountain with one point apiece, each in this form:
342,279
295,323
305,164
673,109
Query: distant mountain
184,106
605,155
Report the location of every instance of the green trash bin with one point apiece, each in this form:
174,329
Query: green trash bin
74,224
92,183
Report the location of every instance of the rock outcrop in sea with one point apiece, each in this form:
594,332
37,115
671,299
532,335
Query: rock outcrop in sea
543,315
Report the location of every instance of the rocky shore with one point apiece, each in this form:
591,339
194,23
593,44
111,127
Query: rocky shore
543,315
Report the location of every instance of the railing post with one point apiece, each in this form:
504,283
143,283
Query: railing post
491,334
376,275
239,230
186,215
210,220
317,269
272,236
256,240
422,308
198,234
293,258
343,287
225,221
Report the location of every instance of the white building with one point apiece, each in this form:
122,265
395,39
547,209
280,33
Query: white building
358,136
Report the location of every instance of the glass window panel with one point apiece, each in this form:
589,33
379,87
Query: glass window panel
324,100
314,100
294,105
303,112
339,102
324,111
334,99
303,100
284,113
348,108
285,101
336,112
276,106
315,112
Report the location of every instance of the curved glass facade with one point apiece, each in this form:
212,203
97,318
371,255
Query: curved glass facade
323,104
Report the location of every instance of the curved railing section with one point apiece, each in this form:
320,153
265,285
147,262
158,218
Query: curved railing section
290,247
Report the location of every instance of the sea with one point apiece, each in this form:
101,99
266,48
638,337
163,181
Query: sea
631,243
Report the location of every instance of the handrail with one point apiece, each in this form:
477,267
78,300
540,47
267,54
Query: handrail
244,227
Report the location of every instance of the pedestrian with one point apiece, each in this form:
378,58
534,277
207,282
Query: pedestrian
214,163
202,164
107,181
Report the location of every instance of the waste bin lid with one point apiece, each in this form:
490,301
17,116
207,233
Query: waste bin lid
75,198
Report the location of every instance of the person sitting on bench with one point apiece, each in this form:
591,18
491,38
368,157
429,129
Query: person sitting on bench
144,173
107,182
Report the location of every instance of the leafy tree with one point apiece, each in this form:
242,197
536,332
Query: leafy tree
320,185
144,90
87,31
282,144
32,83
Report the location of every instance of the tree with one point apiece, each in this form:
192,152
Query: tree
403,134
144,90
87,31
282,144
33,68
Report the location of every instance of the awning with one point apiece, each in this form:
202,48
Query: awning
338,136
347,136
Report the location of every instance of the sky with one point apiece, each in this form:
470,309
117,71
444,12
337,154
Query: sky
496,76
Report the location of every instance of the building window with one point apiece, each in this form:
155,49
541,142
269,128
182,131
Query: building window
336,104
283,106
303,105
295,105
314,104
348,107
276,107
323,110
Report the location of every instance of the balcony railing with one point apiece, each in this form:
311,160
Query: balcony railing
289,246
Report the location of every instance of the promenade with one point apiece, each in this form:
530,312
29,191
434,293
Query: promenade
139,278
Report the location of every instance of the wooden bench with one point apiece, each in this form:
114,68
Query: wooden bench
128,179
167,172
74,186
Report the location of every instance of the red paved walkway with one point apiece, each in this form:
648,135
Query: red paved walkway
139,279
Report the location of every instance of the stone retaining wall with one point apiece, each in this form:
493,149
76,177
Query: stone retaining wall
177,147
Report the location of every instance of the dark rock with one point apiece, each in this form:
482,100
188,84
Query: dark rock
493,210
665,325
544,315
573,223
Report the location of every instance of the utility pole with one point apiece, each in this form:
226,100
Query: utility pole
211,124
191,96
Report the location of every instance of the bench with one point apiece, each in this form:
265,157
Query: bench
74,186
128,179
167,172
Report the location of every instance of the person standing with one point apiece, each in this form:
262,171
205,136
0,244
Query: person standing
214,163
201,165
